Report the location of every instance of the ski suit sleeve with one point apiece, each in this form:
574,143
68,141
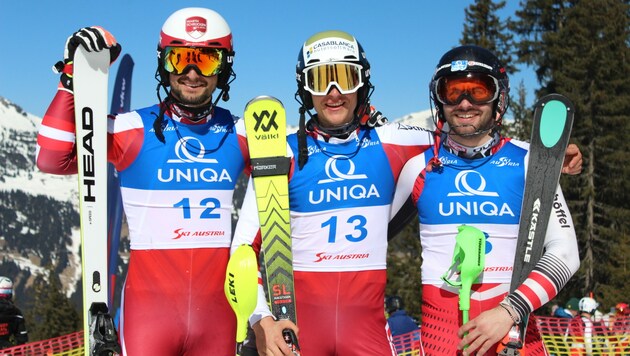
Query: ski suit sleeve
56,152
403,208
248,232
21,335
403,143
559,262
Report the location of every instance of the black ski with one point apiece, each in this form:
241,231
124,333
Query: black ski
553,118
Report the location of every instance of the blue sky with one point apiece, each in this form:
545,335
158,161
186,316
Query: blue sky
402,39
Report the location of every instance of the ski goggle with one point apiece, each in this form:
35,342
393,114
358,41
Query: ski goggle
478,88
345,76
207,60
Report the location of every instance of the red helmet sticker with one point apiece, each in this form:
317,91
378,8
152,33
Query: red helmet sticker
196,26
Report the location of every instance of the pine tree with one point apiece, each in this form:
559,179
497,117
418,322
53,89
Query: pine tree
403,268
51,314
581,49
484,28
521,125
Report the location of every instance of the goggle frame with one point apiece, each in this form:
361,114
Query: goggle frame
355,66
472,76
169,51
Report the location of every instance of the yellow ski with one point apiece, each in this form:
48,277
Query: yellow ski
265,124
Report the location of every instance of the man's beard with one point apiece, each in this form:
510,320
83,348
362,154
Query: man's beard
192,101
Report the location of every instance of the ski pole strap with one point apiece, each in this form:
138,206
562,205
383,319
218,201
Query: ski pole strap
270,166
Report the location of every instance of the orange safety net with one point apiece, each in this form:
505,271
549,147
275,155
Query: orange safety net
609,337
66,345
407,344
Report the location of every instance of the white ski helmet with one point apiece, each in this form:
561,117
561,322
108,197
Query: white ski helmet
197,27
588,305
6,287
329,47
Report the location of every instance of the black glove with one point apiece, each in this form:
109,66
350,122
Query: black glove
375,118
93,38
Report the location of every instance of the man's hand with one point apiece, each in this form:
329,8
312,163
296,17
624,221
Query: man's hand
484,331
269,338
572,160
94,39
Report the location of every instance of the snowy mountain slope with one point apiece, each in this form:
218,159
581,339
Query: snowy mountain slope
22,241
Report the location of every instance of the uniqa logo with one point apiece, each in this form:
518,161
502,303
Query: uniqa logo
338,172
191,150
183,151
465,188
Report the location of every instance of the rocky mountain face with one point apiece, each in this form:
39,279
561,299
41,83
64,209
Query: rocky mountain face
39,224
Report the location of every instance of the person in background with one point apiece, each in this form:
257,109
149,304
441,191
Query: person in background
399,321
583,328
12,325
178,162
570,311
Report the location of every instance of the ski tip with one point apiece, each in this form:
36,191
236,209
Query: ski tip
263,97
556,97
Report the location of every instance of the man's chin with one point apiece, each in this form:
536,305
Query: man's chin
192,101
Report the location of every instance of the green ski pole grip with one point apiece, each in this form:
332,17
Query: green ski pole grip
471,242
468,259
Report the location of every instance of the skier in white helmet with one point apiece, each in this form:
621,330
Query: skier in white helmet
583,328
12,325
178,162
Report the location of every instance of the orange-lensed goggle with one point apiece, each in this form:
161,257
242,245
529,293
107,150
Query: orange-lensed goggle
345,76
478,88
207,60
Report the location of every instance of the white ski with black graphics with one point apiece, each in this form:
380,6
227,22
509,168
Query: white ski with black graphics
90,80
553,119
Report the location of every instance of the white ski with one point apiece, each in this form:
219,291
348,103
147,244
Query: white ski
90,79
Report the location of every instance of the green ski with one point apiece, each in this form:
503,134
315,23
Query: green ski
265,124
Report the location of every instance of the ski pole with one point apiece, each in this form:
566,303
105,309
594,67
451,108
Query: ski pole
468,259
241,288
